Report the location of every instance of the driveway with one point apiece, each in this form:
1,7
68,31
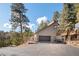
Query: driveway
40,49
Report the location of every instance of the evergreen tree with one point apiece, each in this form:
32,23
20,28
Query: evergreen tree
42,25
18,17
56,16
68,15
77,10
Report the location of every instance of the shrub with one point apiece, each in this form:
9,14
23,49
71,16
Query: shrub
13,38
16,39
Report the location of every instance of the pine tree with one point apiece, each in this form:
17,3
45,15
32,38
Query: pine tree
68,15
18,17
56,16
42,25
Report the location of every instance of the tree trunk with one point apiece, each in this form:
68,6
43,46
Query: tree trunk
21,27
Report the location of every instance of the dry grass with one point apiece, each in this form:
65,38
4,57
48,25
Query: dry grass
23,45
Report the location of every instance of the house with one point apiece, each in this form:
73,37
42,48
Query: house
47,34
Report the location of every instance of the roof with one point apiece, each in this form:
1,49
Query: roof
50,24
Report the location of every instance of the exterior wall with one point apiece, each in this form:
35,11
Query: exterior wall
36,37
53,38
50,31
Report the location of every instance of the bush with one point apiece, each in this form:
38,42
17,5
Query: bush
5,43
1,43
16,39
13,38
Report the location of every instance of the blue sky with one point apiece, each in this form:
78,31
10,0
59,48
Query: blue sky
34,12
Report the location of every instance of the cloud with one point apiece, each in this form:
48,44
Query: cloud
7,25
44,18
30,25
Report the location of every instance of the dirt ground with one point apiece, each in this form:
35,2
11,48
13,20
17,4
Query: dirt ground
74,43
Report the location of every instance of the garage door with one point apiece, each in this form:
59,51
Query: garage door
44,38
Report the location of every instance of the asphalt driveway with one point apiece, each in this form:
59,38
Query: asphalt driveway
40,49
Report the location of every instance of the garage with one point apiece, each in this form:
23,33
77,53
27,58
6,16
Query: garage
47,34
44,38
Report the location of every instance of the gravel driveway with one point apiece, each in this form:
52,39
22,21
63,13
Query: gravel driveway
40,49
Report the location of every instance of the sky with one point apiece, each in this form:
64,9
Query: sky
36,12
